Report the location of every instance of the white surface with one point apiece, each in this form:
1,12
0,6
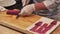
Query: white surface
45,20
6,3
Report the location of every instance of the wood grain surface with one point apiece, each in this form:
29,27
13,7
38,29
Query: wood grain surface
22,22
57,30
4,30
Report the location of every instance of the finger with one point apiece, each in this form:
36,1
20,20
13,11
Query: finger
24,2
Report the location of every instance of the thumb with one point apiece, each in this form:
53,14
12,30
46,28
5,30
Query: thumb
24,2
20,13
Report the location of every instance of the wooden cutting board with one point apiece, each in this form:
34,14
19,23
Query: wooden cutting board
57,31
24,23
20,24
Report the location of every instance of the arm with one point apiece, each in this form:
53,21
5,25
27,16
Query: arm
48,4
27,10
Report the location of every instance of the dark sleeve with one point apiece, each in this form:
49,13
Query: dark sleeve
18,5
31,1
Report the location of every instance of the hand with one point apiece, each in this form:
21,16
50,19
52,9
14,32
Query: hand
2,9
27,10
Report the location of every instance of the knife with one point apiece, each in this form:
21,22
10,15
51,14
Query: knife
17,16
22,7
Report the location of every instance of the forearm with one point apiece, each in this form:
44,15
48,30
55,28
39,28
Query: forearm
40,6
44,5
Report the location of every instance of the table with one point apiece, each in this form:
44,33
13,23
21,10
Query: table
4,30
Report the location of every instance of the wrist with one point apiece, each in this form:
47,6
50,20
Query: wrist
40,6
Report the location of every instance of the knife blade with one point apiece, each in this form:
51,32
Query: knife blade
17,16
